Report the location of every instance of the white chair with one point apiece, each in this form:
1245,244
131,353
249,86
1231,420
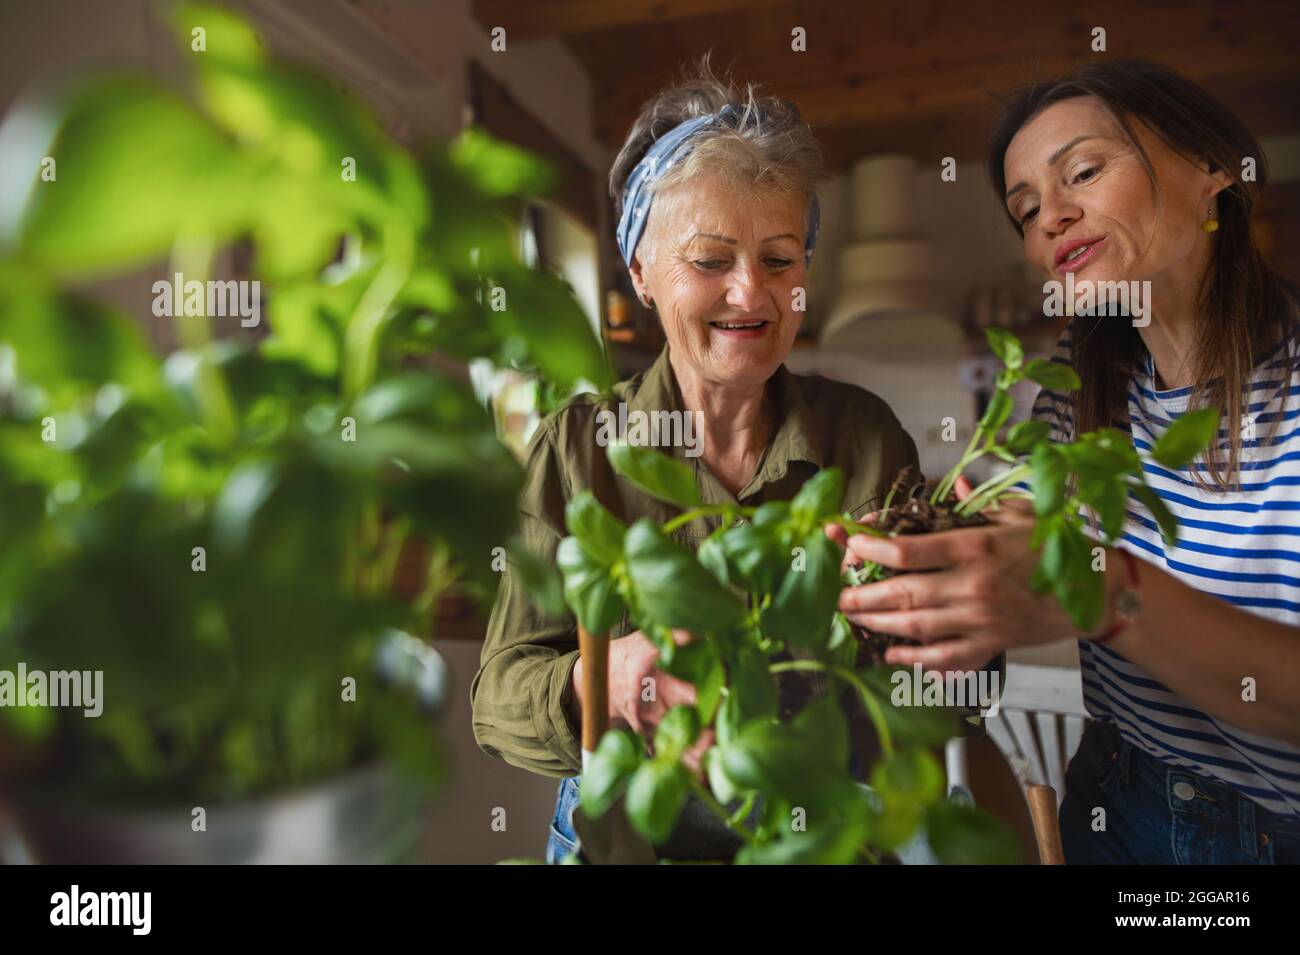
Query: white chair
1040,720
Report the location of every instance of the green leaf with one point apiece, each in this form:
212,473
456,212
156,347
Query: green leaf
772,513
1106,494
308,319
755,556
1187,437
655,798
499,169
834,844
297,124
439,461
596,527
1078,588
923,725
842,648
1052,564
71,346
541,317
820,496
226,35
996,414
611,766
660,476
698,663
672,588
296,233
1049,473
723,788
1024,436
1006,346
136,169
589,586
913,775
1053,375
714,559
753,689
803,610
425,398
676,732
964,835
1100,455
1159,510
804,760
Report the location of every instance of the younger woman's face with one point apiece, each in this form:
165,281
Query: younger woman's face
1086,205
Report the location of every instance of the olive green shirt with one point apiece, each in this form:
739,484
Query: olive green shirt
521,695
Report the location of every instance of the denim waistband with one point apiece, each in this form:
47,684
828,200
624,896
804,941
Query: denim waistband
1185,790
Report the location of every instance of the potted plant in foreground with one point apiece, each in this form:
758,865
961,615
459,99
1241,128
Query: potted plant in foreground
760,599
217,533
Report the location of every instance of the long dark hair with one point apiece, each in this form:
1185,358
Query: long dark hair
1244,305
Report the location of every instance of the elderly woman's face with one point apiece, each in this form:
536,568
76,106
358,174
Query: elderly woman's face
722,269
1086,204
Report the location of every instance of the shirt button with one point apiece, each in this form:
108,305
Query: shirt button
1184,791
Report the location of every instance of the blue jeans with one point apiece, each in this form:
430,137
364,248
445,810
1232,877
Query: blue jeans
562,839
1160,814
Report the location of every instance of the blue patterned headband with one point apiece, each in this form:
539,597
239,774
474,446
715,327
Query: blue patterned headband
667,151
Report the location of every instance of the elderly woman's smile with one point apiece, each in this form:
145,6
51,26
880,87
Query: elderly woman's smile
722,267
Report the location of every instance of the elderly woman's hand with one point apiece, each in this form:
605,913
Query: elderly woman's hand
972,599
638,704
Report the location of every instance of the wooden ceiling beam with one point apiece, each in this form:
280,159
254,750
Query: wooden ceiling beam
945,87
545,18
868,62
1267,110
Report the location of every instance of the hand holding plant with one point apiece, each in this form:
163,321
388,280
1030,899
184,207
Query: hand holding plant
983,581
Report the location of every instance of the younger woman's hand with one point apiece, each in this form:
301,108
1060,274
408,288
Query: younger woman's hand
973,601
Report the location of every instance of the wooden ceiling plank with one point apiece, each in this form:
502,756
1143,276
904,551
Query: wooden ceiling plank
549,18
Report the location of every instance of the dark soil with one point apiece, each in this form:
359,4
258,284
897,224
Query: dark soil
910,512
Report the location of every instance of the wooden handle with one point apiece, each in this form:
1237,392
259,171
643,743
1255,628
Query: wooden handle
1047,828
595,687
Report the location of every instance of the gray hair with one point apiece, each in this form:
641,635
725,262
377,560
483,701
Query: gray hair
770,147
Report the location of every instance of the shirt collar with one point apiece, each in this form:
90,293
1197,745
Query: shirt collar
795,437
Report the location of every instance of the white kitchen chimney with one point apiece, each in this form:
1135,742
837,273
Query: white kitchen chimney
887,331
888,298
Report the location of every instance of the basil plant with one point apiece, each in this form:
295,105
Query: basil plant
219,531
760,599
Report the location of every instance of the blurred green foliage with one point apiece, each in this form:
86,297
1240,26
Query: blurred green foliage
226,681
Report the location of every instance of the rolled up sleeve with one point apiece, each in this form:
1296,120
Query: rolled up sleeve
522,692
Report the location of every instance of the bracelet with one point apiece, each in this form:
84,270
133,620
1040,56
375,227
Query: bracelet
1127,602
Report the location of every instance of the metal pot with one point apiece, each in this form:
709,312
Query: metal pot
370,815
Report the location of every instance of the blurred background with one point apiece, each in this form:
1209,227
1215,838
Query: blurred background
910,264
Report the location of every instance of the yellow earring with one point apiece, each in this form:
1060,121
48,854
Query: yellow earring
1211,224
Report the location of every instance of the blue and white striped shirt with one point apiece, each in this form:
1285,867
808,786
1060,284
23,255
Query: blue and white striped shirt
1241,546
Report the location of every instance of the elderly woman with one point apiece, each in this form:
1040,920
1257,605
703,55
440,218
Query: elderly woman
718,216
1127,172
